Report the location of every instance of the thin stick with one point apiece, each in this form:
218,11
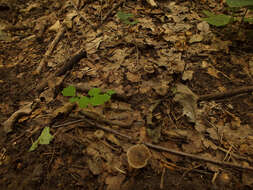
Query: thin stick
108,129
220,95
67,65
242,20
50,50
80,15
217,162
198,157
110,12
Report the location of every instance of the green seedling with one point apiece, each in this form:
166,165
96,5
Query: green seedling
223,20
127,18
44,138
95,97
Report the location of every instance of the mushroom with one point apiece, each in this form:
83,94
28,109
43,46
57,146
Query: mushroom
138,156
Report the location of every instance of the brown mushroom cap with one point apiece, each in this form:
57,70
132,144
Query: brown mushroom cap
138,156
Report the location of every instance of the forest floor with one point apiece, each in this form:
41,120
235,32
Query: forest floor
183,96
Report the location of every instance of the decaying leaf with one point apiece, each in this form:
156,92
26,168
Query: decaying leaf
188,100
8,124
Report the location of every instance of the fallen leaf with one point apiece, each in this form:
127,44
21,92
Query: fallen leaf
188,100
95,166
114,182
203,27
43,139
133,77
187,75
196,38
8,124
152,3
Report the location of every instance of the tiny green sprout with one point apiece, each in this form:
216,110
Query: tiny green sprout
95,97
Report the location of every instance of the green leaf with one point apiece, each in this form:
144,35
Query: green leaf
240,3
99,99
44,138
250,20
69,91
110,92
34,146
218,20
94,91
208,13
95,98
83,102
74,99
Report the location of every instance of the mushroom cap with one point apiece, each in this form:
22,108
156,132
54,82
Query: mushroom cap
138,156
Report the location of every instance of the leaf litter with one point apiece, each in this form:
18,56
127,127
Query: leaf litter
182,88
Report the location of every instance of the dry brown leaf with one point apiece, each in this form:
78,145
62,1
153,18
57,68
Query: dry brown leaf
194,143
8,124
188,100
55,27
203,27
133,77
113,139
92,44
95,166
114,182
121,106
152,3
247,178
213,72
211,166
63,110
196,38
187,75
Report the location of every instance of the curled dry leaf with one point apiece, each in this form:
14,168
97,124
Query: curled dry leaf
188,100
8,124
203,27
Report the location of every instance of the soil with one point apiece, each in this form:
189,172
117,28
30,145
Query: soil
143,63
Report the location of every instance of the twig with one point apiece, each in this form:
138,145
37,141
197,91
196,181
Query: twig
69,63
162,178
242,20
217,162
50,50
198,157
100,118
79,14
110,12
107,129
235,155
68,123
220,95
